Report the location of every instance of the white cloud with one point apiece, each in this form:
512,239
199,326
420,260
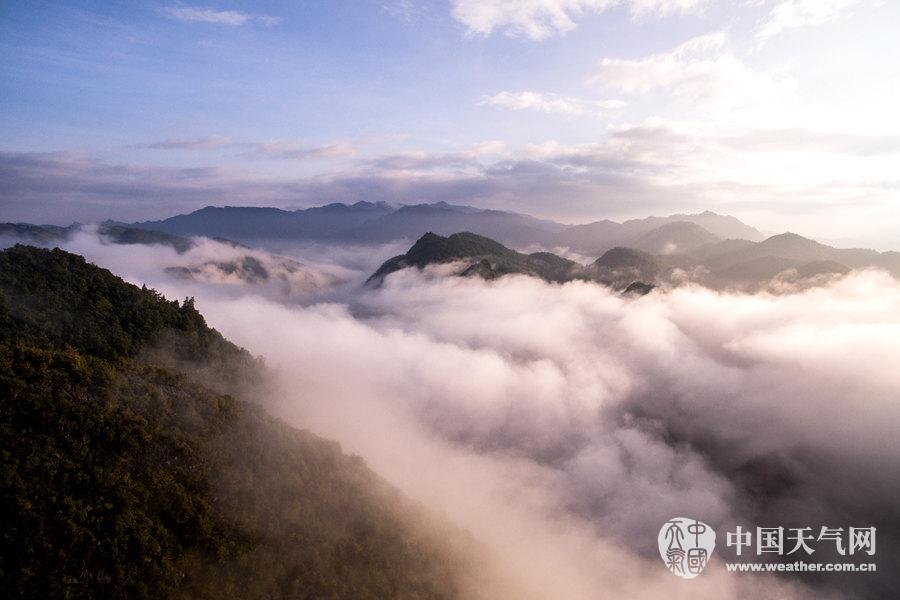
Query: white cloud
212,142
551,103
539,19
701,70
793,14
488,148
664,7
200,14
270,149
567,430
405,10
294,150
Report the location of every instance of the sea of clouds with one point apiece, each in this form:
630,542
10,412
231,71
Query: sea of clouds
562,425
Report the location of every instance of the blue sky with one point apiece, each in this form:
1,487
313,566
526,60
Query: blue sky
325,70
778,111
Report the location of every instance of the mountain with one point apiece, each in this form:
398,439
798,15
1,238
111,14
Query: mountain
620,267
410,222
782,263
675,237
288,279
798,248
110,232
275,276
41,234
252,224
136,463
481,256
488,259
723,226
367,223
639,288
591,239
686,231
120,234
360,223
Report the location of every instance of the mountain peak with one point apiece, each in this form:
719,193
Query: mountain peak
790,237
487,258
441,206
620,256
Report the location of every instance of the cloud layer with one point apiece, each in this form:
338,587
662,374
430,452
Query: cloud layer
593,418
562,424
699,70
794,14
539,19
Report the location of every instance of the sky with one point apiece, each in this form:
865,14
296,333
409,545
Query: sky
780,112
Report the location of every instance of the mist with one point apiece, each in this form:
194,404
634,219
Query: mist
563,424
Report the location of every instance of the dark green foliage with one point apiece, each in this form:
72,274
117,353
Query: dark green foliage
124,477
102,487
55,300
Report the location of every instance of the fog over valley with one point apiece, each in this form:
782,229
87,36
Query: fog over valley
561,423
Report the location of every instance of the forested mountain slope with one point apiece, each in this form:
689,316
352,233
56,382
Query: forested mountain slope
126,475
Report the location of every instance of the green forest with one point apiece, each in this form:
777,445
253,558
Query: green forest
137,463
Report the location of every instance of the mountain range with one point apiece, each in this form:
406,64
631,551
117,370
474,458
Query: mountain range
369,223
718,251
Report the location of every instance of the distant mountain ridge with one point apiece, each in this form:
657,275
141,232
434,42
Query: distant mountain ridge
599,236
374,223
249,224
717,251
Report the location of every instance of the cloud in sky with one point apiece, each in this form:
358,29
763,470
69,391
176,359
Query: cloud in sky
794,14
295,150
551,103
539,19
424,162
701,69
199,14
656,167
205,143
405,10
781,140
268,149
